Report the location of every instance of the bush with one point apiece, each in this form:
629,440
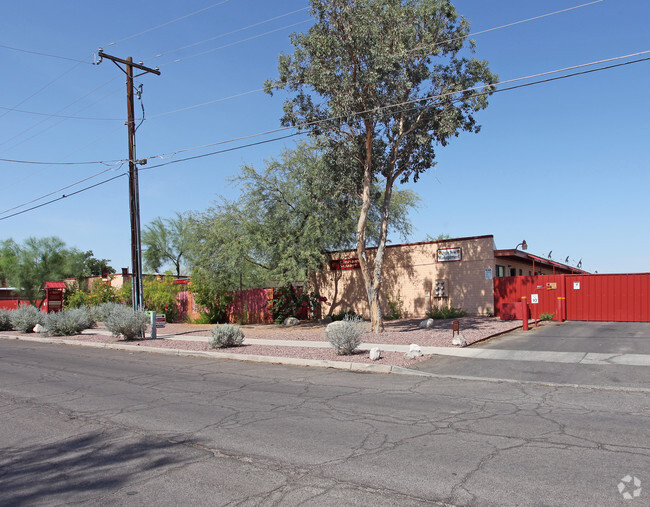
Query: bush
289,301
101,312
5,320
226,335
123,321
343,314
24,318
345,335
68,322
448,312
395,307
546,316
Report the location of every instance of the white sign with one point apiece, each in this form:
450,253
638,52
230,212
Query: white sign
449,254
534,298
576,285
488,273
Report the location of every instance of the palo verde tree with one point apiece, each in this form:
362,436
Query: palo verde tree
165,241
381,83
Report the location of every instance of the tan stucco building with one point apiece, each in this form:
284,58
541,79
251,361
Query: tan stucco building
452,272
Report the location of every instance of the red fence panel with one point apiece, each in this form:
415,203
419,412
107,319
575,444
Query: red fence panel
546,288
615,298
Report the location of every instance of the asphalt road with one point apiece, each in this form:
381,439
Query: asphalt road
104,427
595,338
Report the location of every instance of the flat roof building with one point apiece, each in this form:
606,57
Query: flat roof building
455,272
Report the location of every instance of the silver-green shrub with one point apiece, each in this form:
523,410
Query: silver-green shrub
123,321
25,317
68,322
345,335
226,335
5,320
101,311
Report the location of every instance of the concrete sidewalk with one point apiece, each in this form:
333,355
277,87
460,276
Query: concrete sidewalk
467,352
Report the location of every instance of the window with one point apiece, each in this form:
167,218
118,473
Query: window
521,272
513,272
501,270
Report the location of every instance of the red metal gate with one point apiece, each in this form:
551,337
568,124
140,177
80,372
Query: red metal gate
622,298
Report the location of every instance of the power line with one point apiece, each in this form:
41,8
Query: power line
228,33
44,54
167,23
64,196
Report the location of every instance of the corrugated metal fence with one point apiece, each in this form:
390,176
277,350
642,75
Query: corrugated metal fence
616,298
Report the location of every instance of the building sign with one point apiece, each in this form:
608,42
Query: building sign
449,254
488,273
534,299
343,264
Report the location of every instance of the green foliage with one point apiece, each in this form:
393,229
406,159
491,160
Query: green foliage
291,302
166,242
100,292
226,335
29,265
546,316
160,295
343,314
25,317
345,335
68,322
357,59
395,307
439,237
209,296
123,321
447,312
5,320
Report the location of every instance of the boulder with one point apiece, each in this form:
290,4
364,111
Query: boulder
375,353
38,329
459,340
414,351
291,321
427,323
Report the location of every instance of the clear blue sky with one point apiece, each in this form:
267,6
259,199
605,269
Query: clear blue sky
563,165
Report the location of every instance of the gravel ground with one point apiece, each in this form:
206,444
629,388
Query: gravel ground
402,332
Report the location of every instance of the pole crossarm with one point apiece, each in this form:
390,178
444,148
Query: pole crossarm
125,62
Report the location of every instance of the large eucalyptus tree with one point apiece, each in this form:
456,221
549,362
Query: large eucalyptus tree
381,83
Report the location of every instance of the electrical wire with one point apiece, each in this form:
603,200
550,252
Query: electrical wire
302,133
167,23
44,54
63,197
234,43
228,33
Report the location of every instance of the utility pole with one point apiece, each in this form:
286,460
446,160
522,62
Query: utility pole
134,192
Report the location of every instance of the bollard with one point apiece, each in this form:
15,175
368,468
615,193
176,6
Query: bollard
153,325
524,313
455,328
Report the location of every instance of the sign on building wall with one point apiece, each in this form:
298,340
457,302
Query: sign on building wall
449,254
343,264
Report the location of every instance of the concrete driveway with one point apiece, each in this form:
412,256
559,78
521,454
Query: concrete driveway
601,354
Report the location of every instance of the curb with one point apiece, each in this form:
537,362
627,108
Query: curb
251,358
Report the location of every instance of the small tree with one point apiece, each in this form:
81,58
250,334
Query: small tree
165,241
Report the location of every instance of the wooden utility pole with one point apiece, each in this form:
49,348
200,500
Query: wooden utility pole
134,192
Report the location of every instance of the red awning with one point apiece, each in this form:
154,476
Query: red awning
54,285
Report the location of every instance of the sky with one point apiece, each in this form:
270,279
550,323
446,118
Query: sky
562,164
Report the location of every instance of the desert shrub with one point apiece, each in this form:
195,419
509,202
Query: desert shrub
448,312
289,301
5,320
68,322
226,335
123,321
395,307
345,335
343,314
101,311
25,317
161,296
546,316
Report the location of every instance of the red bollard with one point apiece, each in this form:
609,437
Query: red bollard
524,313
455,328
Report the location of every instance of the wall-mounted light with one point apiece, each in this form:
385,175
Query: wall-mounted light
523,245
